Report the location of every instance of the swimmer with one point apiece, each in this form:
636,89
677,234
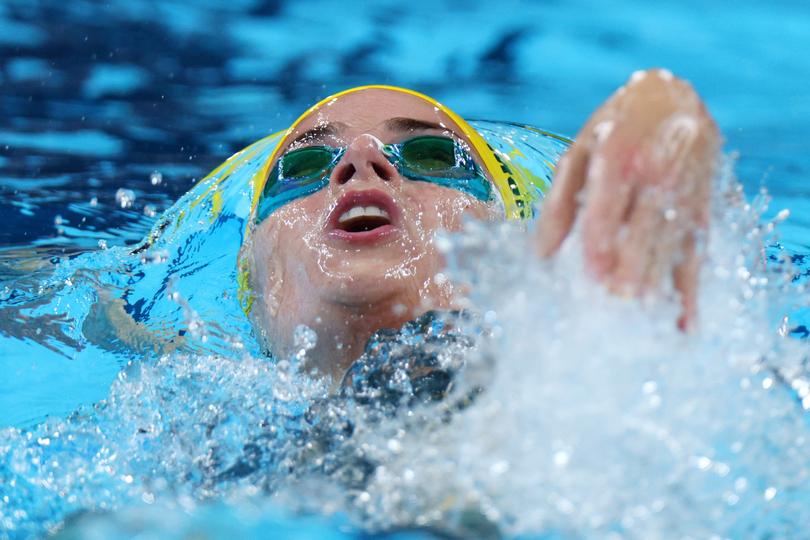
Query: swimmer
342,230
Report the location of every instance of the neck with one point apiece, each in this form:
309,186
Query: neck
343,331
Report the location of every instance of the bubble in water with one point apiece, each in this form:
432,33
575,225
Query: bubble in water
149,210
156,178
125,198
102,244
94,201
157,256
58,222
304,338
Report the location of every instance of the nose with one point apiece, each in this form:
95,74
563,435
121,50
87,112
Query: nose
364,160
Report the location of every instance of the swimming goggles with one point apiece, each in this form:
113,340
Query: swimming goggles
439,160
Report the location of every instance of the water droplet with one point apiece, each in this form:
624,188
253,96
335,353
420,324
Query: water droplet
703,463
731,498
665,74
305,337
395,446
156,178
561,458
637,76
602,130
499,467
155,257
125,198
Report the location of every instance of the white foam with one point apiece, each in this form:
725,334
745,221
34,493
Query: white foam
601,416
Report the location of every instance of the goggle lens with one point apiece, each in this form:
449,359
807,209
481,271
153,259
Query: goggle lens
429,155
305,163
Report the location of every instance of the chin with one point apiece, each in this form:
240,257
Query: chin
369,285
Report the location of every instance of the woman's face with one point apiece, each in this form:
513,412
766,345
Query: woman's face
310,257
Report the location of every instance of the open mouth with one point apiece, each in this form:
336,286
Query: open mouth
364,217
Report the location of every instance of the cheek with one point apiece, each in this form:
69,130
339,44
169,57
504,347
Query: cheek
444,208
284,237
265,257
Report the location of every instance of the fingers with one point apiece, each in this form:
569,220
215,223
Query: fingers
608,201
638,178
560,207
635,235
685,278
640,257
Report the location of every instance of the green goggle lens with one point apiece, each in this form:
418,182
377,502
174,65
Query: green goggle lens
305,162
429,155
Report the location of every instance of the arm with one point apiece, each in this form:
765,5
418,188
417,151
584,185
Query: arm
638,177
110,327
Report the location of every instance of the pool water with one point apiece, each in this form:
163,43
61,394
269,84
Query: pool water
112,112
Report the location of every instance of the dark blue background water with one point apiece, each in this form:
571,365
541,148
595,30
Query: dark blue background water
97,95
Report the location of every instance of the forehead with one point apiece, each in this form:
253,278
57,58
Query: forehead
366,111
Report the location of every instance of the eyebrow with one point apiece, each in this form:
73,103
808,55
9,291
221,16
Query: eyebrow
412,124
320,132
333,129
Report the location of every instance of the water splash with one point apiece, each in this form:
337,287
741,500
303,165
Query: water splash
599,418
572,413
181,430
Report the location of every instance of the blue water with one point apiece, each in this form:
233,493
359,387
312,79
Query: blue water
150,97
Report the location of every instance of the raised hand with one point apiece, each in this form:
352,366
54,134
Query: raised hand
638,177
